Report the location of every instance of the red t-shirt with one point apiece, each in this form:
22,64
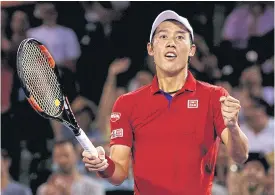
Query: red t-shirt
174,140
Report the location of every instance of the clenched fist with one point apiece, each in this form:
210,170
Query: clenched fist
230,108
93,163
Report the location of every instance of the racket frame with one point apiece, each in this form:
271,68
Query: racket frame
71,123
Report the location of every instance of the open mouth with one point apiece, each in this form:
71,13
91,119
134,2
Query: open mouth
170,55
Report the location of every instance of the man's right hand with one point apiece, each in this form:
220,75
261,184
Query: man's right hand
93,163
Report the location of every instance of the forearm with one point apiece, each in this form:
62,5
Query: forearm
237,145
115,173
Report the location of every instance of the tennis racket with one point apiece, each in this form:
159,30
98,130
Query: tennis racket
41,84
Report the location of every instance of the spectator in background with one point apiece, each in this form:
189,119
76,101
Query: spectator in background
251,179
258,126
61,41
100,44
19,26
251,81
5,42
66,179
204,64
8,185
85,112
6,83
246,21
8,140
269,188
142,78
225,84
219,184
110,93
104,13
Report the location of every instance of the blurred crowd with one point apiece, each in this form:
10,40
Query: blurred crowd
100,51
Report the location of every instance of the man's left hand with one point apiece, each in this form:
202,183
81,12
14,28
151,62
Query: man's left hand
230,108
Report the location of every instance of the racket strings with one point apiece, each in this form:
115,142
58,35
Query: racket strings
40,79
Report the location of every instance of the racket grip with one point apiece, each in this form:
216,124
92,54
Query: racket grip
86,143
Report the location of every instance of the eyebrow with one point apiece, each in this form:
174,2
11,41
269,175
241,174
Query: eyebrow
179,31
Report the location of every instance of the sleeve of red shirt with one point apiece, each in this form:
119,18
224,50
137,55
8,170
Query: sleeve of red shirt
218,119
121,130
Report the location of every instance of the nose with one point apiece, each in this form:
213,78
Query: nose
171,43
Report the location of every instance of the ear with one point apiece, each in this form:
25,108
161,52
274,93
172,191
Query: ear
150,49
192,50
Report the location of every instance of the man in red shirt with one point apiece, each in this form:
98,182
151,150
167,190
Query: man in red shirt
173,127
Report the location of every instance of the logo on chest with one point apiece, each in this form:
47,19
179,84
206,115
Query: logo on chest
193,104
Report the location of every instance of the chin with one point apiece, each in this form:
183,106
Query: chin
172,70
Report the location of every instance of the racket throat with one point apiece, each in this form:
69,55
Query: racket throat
74,129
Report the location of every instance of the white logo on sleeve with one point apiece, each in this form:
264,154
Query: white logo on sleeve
115,116
193,104
117,133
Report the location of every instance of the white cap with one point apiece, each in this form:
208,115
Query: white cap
170,15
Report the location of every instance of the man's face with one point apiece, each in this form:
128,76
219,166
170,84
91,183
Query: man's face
19,22
64,156
48,12
171,47
251,77
254,172
253,112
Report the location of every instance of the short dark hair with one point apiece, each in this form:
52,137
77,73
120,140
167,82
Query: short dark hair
5,153
59,142
260,157
88,110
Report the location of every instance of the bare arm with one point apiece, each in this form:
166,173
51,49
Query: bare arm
119,157
236,143
232,136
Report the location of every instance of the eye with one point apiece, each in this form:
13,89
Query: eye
163,36
180,37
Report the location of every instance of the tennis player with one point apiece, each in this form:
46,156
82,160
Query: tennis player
172,128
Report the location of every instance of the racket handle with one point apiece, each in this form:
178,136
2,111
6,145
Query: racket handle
86,143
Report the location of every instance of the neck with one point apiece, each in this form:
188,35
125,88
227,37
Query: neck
75,174
4,182
49,23
172,83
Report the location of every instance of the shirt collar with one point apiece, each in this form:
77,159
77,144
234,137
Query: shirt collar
190,84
